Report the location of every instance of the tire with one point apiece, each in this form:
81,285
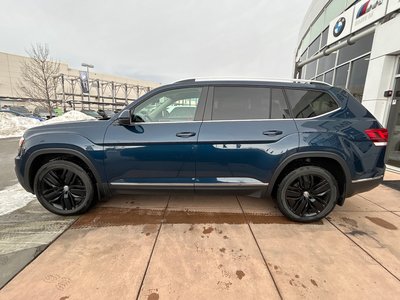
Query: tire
307,194
64,188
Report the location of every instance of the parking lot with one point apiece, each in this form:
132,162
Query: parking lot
207,246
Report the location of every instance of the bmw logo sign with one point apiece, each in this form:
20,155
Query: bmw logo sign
339,27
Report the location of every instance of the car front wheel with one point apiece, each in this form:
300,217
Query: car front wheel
63,188
307,194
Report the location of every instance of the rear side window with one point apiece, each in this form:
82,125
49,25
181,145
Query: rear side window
307,104
248,103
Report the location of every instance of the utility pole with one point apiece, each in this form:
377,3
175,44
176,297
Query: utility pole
87,74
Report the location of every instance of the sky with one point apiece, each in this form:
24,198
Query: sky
160,40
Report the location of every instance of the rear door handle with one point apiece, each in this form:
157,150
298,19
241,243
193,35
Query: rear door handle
185,134
272,132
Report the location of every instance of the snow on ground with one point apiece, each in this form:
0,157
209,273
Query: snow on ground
13,198
72,115
14,126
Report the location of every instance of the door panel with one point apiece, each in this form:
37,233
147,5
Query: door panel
247,132
157,149
239,151
150,153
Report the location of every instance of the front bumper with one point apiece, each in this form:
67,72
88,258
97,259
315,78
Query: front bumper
19,171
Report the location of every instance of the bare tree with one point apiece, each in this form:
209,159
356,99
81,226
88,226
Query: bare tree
37,76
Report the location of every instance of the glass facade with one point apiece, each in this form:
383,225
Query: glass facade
357,77
359,48
328,78
331,11
341,76
314,47
311,69
347,67
326,63
393,149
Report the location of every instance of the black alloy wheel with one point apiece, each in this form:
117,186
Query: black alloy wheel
307,194
63,188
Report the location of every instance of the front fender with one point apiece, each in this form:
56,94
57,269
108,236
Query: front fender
62,143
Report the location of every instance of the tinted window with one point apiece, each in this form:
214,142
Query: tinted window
311,69
326,62
314,47
358,76
341,76
329,77
361,46
307,104
279,109
246,103
324,38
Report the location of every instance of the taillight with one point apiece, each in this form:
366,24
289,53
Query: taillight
378,136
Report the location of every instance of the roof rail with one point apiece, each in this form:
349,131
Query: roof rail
288,80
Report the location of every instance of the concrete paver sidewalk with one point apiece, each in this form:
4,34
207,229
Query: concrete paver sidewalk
232,247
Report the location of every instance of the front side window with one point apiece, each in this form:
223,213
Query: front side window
170,106
308,104
248,103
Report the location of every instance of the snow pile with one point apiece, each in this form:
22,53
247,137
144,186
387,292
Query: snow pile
13,198
72,115
14,126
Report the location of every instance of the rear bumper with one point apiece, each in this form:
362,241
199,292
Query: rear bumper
363,185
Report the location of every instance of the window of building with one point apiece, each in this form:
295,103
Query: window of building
326,63
320,78
334,9
305,42
303,57
307,104
341,76
358,76
398,68
314,47
242,103
328,78
311,69
362,46
324,38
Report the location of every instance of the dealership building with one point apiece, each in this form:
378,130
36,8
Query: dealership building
356,45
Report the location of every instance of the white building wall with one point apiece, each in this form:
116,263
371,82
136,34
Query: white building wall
381,70
10,75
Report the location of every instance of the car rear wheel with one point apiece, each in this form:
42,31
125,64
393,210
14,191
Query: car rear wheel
63,188
307,194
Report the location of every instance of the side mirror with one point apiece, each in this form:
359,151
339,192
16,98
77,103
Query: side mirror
125,118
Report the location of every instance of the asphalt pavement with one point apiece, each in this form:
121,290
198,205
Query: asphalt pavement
27,231
8,151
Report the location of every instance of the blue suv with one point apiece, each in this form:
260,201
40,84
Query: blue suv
307,144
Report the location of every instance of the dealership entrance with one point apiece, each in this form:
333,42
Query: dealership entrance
393,125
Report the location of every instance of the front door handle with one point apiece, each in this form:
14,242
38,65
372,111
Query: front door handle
272,132
185,134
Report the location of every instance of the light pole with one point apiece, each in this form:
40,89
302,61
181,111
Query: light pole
87,74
